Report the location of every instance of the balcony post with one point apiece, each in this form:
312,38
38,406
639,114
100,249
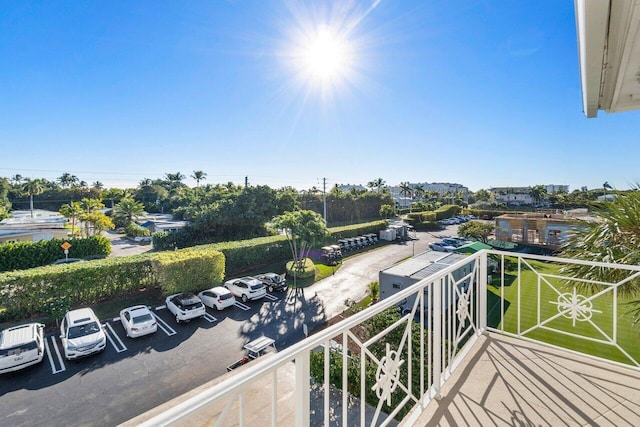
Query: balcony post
436,312
303,374
482,292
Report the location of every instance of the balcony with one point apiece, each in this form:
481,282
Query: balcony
535,341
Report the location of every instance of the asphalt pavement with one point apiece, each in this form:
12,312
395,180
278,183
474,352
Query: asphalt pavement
134,375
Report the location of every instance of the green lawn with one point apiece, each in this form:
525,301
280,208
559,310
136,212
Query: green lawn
532,290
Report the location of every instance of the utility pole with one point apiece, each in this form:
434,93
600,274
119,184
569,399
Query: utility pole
246,181
324,197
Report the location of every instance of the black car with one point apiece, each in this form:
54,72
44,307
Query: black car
273,281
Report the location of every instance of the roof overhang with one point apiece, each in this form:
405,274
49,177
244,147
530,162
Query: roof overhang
608,34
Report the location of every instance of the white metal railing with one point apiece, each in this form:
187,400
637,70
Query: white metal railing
529,297
558,301
427,340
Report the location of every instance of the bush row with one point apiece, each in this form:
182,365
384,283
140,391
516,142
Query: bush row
354,230
246,254
23,255
487,214
29,292
428,220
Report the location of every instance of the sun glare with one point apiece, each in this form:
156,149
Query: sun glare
325,56
325,50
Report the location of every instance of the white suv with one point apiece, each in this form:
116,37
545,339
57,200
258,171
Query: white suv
21,346
81,334
246,288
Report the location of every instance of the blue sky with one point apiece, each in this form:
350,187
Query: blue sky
482,93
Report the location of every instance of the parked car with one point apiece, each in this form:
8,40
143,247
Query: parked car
246,288
81,334
273,281
185,306
218,298
441,247
138,321
452,241
21,346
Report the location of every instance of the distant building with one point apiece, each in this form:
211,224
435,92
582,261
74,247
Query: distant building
44,225
521,196
443,189
348,187
163,225
547,230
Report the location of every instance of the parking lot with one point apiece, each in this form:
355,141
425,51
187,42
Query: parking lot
134,375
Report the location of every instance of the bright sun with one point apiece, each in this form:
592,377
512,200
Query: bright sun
325,56
325,49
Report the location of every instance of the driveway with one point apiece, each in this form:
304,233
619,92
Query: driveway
122,246
352,279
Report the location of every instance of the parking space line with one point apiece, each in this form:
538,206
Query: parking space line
164,326
54,370
116,319
242,306
160,307
209,318
271,297
115,336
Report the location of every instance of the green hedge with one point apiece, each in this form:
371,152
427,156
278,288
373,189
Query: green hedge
246,254
488,214
134,230
354,230
29,292
24,255
188,270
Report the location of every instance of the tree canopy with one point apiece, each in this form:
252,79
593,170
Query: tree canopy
303,229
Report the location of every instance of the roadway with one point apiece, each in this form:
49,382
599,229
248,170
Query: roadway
134,375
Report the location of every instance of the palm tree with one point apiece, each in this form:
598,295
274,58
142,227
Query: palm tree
71,211
537,193
17,179
405,190
418,191
145,182
112,194
33,187
67,180
604,187
127,209
175,177
199,176
378,184
97,185
612,239
91,205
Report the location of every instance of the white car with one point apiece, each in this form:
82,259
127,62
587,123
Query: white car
441,247
137,321
81,334
185,306
21,346
246,288
218,298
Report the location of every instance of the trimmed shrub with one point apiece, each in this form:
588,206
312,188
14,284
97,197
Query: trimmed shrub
134,230
39,290
24,255
247,254
309,270
188,270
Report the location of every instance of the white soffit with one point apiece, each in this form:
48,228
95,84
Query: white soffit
609,50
